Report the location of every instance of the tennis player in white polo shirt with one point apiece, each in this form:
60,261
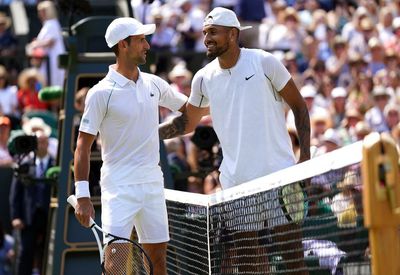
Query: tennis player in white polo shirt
123,109
246,91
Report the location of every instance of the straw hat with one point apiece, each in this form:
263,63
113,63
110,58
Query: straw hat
180,70
36,124
4,19
26,74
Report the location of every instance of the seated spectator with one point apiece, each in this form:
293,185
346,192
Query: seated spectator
338,106
34,124
360,96
291,65
337,64
8,96
377,56
347,128
30,82
330,141
320,122
179,76
392,115
362,130
8,43
375,116
5,157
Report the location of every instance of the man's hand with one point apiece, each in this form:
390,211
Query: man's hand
84,211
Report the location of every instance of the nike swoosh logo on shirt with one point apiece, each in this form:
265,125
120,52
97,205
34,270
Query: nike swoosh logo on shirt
247,78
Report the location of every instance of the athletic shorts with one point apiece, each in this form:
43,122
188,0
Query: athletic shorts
138,205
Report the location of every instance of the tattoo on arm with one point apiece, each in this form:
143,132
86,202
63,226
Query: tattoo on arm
173,128
302,120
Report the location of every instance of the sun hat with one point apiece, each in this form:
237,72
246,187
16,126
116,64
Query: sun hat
36,124
223,17
121,28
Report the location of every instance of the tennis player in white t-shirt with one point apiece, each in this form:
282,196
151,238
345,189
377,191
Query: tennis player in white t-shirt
245,91
123,109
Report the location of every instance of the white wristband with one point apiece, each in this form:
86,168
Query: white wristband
82,189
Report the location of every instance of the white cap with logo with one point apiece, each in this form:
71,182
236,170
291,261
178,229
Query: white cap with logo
121,28
223,17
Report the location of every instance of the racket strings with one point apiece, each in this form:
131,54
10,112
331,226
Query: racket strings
125,258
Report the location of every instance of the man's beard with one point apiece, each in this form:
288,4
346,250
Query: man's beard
218,52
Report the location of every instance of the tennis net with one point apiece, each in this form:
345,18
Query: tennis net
306,219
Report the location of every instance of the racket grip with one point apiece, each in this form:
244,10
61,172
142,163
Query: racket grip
73,201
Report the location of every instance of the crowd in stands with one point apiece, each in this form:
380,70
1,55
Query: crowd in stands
343,56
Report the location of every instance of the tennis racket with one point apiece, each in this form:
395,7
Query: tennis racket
120,256
293,202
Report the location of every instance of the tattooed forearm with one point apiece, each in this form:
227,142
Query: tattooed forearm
173,128
302,120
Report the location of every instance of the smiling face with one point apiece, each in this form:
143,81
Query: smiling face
218,39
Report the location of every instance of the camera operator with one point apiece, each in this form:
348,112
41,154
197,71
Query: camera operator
204,158
29,203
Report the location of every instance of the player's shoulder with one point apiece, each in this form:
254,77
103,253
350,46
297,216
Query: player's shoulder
102,87
208,70
256,53
152,78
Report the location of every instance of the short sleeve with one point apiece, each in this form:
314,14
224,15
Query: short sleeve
197,96
169,98
275,71
93,115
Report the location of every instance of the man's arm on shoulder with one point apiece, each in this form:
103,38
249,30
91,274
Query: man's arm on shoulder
293,98
183,124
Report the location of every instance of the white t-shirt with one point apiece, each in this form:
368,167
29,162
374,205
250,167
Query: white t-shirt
248,115
125,114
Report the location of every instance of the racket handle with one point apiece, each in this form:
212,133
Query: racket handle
73,201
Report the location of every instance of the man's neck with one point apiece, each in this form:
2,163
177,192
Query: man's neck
130,71
229,58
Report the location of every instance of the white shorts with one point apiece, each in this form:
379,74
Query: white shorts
137,205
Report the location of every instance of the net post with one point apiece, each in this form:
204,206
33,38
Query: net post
381,202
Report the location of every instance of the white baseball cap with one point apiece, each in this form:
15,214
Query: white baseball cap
223,17
308,91
123,27
338,92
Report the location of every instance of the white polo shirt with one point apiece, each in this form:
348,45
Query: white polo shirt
248,115
125,114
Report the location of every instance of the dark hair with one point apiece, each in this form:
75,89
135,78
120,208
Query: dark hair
115,47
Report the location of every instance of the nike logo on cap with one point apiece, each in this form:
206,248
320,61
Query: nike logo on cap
248,77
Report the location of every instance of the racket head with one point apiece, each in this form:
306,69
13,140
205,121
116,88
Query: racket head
124,256
293,202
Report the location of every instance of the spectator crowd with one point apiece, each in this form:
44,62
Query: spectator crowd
343,56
